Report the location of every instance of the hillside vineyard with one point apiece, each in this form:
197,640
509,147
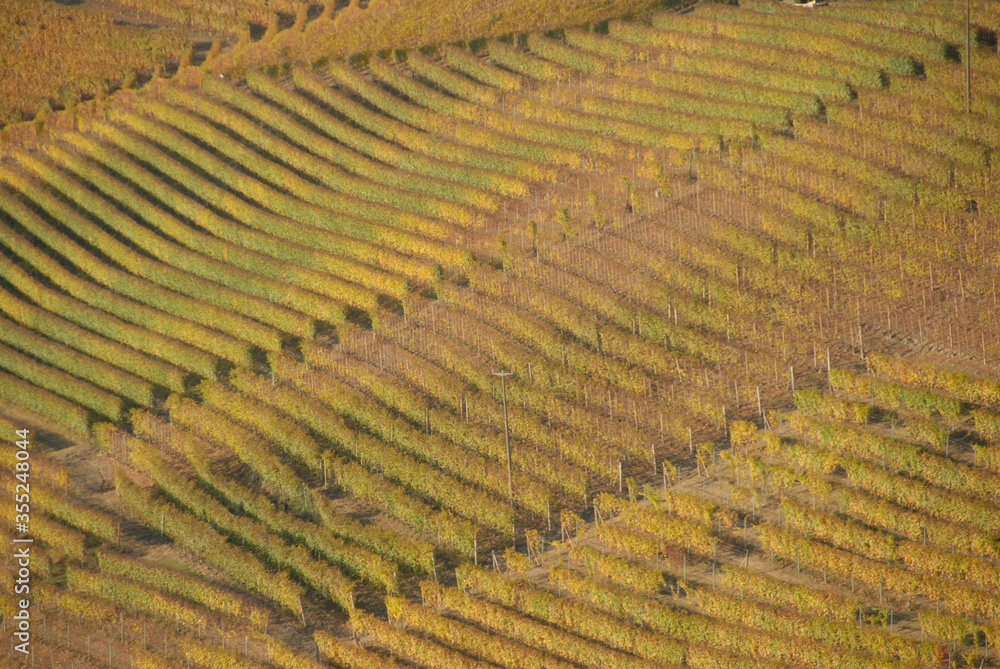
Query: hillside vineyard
740,262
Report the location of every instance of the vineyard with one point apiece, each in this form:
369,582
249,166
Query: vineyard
669,340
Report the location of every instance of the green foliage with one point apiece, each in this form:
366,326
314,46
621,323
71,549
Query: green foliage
322,577
163,579
350,655
497,151
934,468
57,304
389,187
199,538
603,639
152,281
170,253
227,244
435,168
467,638
386,452
59,382
464,463
694,35
422,176
277,427
317,416
63,412
836,44
830,407
311,204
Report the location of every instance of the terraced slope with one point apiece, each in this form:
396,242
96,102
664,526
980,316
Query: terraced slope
270,314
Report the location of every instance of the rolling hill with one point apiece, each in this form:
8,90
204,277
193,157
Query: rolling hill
665,340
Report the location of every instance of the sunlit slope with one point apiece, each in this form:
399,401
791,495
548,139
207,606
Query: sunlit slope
275,309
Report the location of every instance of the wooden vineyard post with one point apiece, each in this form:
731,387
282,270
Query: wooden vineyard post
715,554
968,56
506,436
829,376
